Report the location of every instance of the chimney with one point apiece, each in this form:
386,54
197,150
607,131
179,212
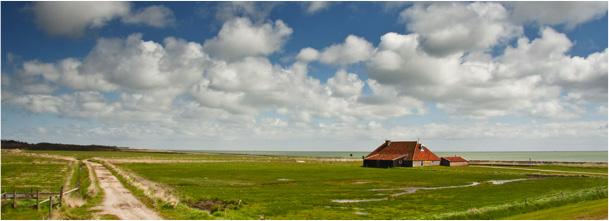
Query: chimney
387,142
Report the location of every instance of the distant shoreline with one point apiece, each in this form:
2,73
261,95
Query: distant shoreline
517,156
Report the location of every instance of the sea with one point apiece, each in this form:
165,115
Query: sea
565,156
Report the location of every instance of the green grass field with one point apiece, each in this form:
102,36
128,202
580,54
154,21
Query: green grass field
232,186
589,210
26,173
23,173
285,189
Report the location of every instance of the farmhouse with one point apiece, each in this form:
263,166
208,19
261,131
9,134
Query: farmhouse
453,161
401,154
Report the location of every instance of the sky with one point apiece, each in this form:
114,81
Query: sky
306,76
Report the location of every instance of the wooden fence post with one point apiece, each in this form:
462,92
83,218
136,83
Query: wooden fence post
14,198
50,205
37,199
60,196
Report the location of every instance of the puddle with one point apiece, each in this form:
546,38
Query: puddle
407,190
499,182
358,201
360,182
361,213
411,190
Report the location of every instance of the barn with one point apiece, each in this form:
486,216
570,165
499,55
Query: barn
453,161
401,154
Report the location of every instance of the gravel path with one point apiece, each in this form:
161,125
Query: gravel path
118,200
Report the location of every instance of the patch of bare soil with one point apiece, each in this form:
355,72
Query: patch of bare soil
215,205
118,200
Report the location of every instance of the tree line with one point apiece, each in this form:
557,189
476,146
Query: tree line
15,144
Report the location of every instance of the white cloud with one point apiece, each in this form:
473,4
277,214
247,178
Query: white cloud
240,38
556,13
581,77
227,91
447,28
316,6
72,19
256,11
307,55
355,49
345,84
156,16
530,79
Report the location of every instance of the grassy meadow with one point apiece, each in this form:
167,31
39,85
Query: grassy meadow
588,210
232,186
24,173
291,190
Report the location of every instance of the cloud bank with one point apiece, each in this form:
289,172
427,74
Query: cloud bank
226,90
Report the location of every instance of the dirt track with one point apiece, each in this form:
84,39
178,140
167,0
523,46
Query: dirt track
118,200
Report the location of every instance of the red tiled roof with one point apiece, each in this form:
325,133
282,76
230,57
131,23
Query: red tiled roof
409,150
455,159
385,156
425,154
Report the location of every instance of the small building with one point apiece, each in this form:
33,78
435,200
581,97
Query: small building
401,154
453,161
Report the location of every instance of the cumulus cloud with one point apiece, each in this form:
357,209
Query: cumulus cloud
307,55
257,11
178,81
447,28
240,38
345,84
316,6
556,13
156,16
581,77
72,19
481,86
355,49
227,89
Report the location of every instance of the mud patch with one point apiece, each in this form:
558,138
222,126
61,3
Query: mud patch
216,205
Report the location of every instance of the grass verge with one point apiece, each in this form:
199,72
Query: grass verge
520,207
92,198
587,210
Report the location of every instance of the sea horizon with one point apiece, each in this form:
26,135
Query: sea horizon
571,156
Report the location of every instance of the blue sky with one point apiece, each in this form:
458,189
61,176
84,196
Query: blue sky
460,76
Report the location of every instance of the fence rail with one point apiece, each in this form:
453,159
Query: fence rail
54,198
